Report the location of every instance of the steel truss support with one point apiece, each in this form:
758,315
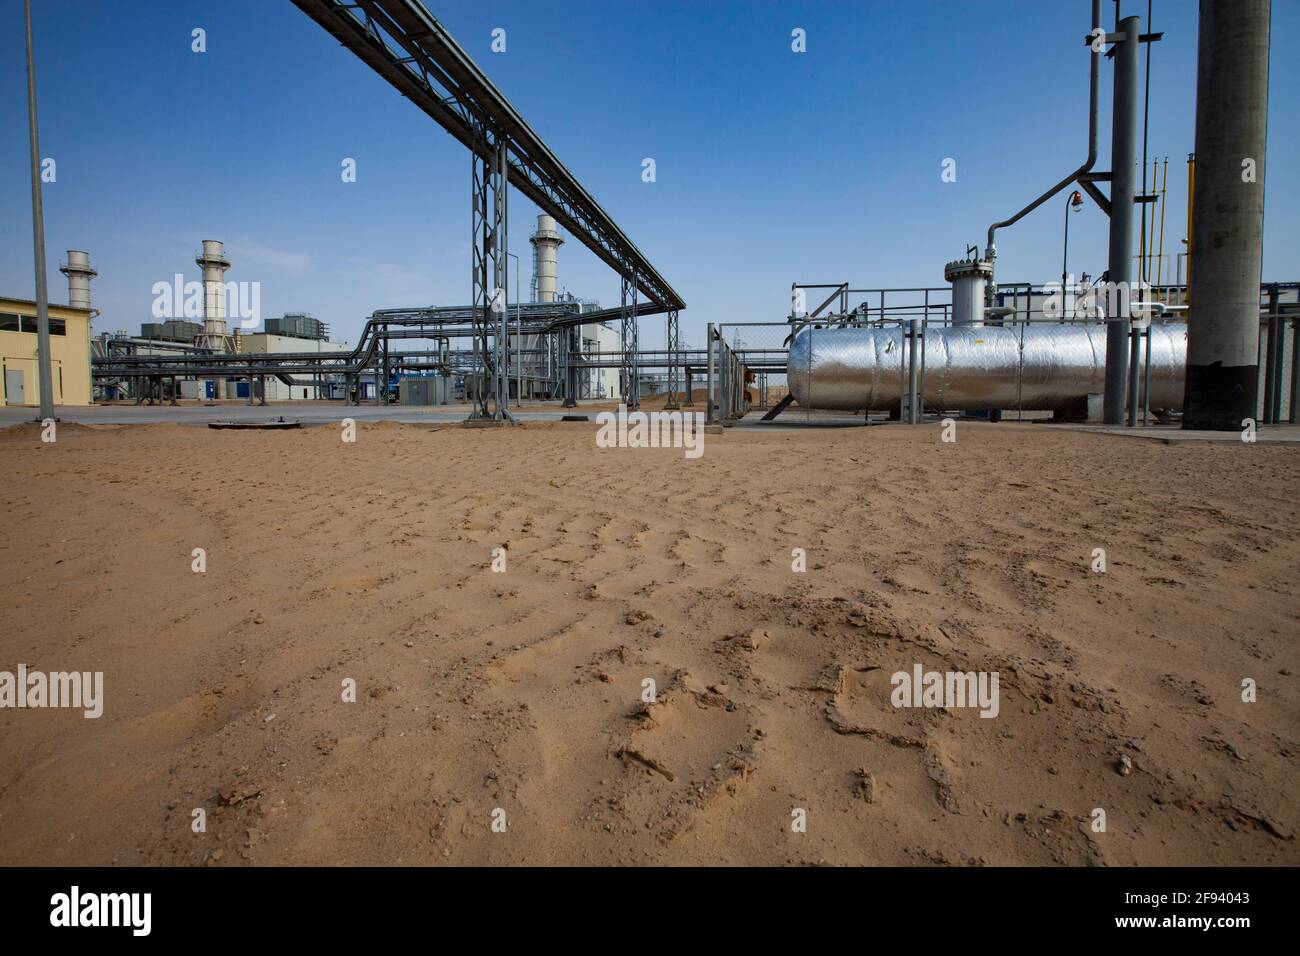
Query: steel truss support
407,46
489,188
570,344
674,363
381,369
631,343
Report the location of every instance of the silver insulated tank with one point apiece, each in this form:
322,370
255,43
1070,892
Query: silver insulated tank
1038,367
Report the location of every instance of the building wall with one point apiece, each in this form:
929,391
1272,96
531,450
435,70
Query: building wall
604,381
277,390
69,354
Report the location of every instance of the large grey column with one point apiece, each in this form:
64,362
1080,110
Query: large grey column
1123,145
1227,214
43,379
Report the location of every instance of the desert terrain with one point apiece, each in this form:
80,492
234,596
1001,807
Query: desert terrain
517,695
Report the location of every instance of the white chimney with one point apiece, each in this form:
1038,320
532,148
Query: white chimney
546,240
79,274
214,263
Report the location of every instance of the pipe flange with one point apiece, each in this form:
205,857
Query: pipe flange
962,268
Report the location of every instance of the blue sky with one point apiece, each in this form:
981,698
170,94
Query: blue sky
771,166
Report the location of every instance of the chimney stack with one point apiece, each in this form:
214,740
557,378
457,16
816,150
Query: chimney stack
79,274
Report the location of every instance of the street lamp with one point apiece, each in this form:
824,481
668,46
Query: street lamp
1074,203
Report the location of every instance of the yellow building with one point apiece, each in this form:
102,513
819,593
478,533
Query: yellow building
69,353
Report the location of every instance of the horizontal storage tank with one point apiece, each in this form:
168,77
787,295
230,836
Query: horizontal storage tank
1046,366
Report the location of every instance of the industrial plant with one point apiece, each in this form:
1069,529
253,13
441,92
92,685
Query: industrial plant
1111,348
990,570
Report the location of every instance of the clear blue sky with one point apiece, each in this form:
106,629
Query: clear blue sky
772,166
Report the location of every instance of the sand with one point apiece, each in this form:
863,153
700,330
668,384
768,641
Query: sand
517,696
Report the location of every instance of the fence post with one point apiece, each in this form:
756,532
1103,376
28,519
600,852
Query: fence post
709,417
911,372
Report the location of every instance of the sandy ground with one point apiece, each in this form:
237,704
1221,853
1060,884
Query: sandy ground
522,690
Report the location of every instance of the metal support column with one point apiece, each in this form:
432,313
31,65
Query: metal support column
912,417
1120,268
501,280
631,343
728,382
739,407
1272,359
1146,374
674,366
1134,367
481,246
38,239
381,373
1295,368
570,355
710,387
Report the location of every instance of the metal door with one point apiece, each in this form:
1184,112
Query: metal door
15,394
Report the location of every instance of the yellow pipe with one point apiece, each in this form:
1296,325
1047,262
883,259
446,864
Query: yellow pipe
1160,256
1151,249
1140,170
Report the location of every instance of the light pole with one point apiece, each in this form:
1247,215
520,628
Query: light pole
519,335
1073,204
38,238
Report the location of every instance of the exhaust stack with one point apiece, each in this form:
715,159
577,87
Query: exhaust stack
546,241
214,262
79,274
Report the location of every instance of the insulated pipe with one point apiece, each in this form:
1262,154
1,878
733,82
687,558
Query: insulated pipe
1123,151
1046,366
1228,213
990,251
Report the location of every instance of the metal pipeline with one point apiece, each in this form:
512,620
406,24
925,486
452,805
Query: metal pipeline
1039,367
1080,175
